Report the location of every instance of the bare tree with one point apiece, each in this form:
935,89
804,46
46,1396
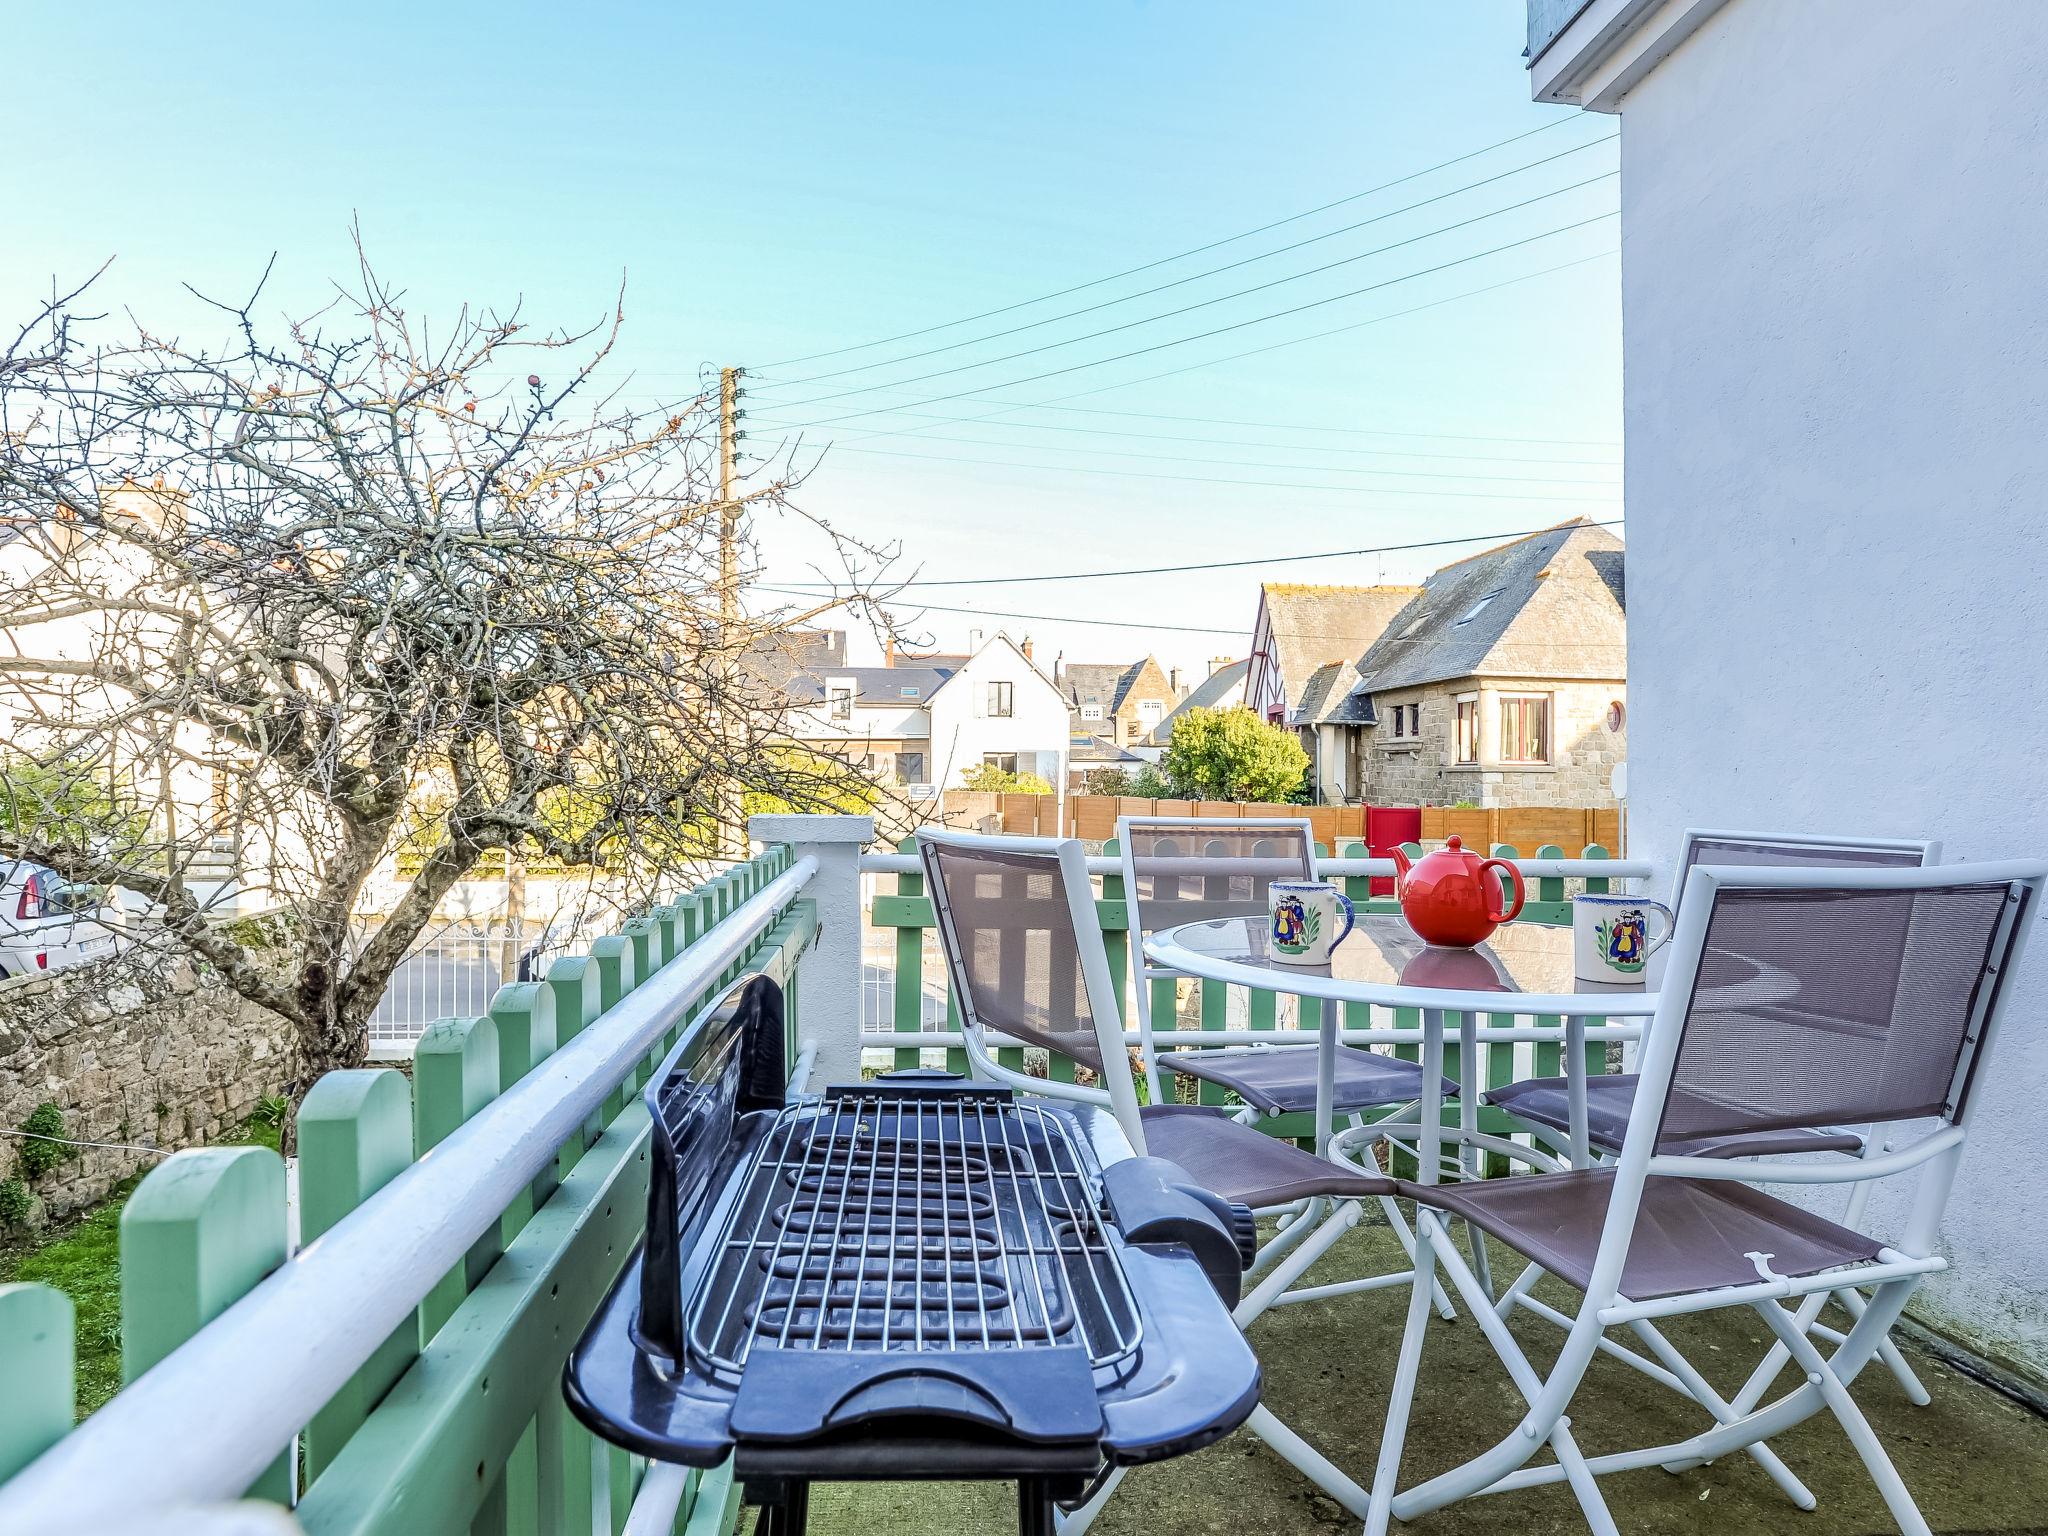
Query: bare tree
344,592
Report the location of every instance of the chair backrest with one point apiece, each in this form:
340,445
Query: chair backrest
1182,871
1794,850
1016,923
1819,997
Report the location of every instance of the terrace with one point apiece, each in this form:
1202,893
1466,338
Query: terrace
457,1230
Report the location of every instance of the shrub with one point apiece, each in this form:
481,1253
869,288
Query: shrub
15,1204
1231,754
990,779
38,1157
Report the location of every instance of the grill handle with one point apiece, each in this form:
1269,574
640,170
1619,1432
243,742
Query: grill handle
1155,1204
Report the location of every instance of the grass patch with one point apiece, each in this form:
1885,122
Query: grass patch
83,1260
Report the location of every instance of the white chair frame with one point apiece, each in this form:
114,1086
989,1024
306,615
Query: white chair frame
1297,1221
1119,1093
1740,1424
1575,1151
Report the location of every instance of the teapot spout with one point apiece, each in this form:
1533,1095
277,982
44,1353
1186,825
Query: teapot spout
1402,863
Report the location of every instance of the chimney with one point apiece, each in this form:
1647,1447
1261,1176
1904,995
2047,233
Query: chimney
1024,645
974,641
1173,680
1218,663
1059,667
889,648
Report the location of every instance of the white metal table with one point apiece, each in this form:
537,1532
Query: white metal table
1524,969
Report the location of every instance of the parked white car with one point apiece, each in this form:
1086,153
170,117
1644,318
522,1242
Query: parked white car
48,923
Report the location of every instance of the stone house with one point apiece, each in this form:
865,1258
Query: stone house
1502,683
1306,640
1122,703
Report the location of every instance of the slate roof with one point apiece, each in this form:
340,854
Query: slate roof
1212,692
775,660
1104,683
1316,626
872,685
1483,615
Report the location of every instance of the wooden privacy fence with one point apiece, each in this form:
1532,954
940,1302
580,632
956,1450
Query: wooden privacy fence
456,1423
1093,819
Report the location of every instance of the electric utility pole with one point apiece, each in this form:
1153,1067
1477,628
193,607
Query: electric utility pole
731,837
728,509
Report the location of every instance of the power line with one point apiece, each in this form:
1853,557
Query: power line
1178,458
1226,298
1097,282
1148,474
1053,402
1054,373
1216,442
1043,618
1219,565
1193,277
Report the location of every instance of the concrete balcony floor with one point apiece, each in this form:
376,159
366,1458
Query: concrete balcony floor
1976,1460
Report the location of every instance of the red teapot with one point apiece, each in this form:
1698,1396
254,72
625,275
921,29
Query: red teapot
1448,899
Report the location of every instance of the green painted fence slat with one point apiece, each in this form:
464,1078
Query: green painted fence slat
525,1016
196,1236
355,1136
428,1457
455,1074
907,997
38,1364
1215,997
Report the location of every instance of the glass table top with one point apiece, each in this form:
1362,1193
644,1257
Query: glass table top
1383,957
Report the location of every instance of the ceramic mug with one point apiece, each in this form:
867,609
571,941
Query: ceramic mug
1613,937
1304,925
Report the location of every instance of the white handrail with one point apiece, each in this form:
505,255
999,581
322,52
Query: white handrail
1536,869
885,1039
175,1437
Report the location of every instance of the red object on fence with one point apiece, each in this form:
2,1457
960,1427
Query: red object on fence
1386,828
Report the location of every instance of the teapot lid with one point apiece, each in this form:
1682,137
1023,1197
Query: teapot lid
1454,844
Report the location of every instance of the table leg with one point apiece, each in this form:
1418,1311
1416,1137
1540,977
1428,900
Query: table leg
1328,1035
1468,1093
1431,1145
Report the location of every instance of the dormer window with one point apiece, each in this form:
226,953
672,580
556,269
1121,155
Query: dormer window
1091,711
1479,607
839,699
907,693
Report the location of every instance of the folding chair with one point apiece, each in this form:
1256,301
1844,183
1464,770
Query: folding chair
1194,869
1794,997
1543,1104
1016,922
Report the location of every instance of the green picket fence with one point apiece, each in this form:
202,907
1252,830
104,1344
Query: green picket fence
456,1422
908,914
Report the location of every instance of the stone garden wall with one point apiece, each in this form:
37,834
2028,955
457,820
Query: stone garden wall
153,1061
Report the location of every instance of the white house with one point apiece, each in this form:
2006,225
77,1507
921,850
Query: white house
930,721
1836,364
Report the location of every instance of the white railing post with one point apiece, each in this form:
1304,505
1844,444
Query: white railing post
832,967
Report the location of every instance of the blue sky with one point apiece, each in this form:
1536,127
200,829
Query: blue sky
781,179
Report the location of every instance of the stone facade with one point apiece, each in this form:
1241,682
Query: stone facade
1420,767
164,1061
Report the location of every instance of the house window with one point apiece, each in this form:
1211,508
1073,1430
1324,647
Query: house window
1151,711
1091,711
909,767
999,700
1525,728
842,703
1007,761
1465,735
1407,721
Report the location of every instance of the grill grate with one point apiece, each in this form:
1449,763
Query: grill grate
903,1222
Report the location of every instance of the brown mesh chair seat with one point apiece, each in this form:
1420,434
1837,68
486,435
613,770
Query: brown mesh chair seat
1280,1080
1690,1234
1546,1101
1240,1163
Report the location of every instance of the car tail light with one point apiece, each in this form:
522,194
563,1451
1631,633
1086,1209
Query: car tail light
30,906
42,959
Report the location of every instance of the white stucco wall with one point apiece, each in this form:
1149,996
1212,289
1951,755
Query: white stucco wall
1834,215
963,730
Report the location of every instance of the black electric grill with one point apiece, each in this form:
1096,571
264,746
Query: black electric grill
915,1277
